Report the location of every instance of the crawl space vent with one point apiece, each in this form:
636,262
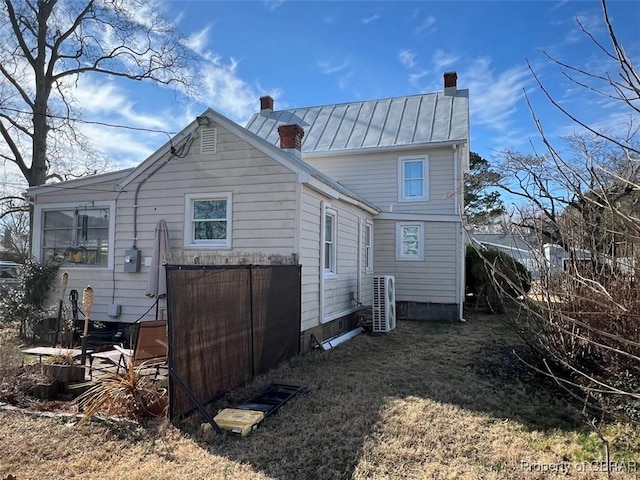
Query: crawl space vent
208,140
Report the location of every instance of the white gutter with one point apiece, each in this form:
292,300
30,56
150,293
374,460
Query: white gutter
395,148
419,217
358,204
323,188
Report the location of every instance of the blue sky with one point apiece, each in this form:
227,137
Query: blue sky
311,53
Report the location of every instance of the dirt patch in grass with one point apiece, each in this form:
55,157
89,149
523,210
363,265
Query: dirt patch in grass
424,401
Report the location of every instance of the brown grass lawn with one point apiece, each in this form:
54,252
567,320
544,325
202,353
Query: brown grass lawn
427,401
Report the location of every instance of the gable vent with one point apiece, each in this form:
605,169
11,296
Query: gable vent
208,140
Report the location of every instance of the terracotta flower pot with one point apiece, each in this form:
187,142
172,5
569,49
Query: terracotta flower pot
158,407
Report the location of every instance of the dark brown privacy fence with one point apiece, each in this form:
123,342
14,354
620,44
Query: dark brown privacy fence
227,324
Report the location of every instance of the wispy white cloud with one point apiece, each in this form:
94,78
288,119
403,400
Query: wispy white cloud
226,91
328,67
442,60
372,18
591,23
126,148
198,40
407,58
612,120
558,5
416,78
427,24
104,99
495,94
272,5
344,80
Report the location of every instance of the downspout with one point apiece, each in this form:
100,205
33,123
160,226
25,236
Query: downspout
359,262
321,279
459,192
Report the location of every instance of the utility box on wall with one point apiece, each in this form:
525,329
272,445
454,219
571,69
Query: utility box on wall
132,259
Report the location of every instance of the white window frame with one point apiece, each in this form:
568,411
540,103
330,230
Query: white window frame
400,254
38,224
368,248
332,271
402,197
189,240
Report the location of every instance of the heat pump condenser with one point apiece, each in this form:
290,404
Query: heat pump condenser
384,303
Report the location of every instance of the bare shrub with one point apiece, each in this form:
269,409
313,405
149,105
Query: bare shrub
10,355
582,202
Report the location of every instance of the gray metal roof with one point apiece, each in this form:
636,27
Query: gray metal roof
391,122
509,241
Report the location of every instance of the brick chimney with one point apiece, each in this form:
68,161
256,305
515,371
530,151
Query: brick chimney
266,104
450,83
291,138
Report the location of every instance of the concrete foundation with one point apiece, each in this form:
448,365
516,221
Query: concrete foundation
427,311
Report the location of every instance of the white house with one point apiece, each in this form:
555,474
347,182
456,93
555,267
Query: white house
407,156
345,191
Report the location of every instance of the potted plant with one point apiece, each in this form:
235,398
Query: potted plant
130,394
63,368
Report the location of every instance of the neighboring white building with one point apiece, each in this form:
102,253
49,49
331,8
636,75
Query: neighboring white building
350,190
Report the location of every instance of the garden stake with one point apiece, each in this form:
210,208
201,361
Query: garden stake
87,303
65,281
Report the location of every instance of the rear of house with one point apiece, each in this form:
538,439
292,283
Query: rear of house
227,197
407,156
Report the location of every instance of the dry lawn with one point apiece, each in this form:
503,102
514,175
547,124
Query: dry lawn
427,401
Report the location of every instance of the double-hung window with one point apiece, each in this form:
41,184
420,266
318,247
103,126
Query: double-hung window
368,247
78,235
413,178
330,229
410,241
207,220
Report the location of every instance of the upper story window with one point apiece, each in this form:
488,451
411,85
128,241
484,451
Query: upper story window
80,236
413,178
409,241
207,220
368,247
329,241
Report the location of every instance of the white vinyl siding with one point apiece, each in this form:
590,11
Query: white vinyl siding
410,241
374,176
336,288
430,280
413,179
262,217
207,220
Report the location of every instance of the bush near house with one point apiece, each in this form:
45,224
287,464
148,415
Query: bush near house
493,278
25,305
586,328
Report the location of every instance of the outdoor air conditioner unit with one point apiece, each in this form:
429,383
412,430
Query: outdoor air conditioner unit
384,303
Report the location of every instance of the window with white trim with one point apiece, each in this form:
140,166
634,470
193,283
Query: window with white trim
413,178
80,236
368,246
207,221
330,229
410,241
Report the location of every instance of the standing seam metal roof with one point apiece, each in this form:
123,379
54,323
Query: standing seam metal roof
401,121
